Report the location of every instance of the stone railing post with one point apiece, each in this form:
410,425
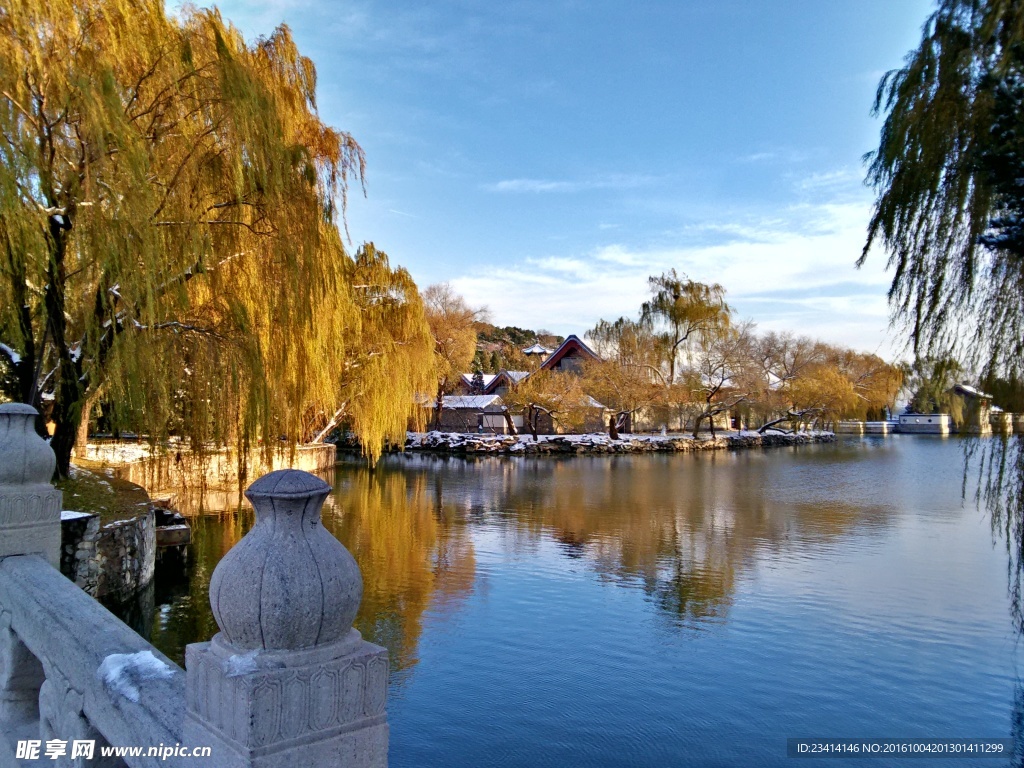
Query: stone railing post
29,505
29,524
288,681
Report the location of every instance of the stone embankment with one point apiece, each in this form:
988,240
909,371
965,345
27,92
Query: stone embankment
475,444
111,561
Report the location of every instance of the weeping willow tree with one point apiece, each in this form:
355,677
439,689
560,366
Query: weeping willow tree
168,234
683,309
389,358
946,174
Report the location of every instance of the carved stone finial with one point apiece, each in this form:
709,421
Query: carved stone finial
288,584
287,681
29,505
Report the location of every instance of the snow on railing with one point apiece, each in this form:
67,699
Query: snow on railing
286,682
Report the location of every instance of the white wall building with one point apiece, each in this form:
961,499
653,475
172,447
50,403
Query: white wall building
925,423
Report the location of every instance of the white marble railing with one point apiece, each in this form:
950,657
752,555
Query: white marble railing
287,681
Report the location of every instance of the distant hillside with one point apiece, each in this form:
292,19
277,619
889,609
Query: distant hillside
499,348
510,335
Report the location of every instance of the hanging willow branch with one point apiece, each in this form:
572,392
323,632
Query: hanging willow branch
935,200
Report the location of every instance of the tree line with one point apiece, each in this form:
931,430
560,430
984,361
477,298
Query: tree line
684,360
687,359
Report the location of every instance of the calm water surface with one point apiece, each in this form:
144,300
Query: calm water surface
667,610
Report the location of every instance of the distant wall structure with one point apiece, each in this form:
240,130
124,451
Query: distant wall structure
851,427
925,423
468,413
1001,422
176,469
977,408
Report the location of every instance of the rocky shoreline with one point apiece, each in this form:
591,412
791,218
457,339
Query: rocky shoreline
594,444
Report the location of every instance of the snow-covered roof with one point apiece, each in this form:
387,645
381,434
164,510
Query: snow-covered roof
537,349
969,390
470,402
68,514
509,377
572,343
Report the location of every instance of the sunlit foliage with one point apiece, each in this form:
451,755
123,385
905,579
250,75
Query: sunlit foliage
168,230
688,357
453,328
553,394
682,309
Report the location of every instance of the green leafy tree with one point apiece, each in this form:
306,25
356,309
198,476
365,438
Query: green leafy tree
1008,394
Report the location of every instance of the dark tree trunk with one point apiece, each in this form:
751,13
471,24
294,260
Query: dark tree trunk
67,406
613,431
439,406
532,414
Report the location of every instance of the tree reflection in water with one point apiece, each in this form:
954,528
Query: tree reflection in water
413,558
682,536
999,464
397,526
183,596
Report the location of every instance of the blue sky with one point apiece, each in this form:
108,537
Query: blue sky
546,157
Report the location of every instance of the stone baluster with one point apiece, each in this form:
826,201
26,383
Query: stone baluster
29,505
29,524
287,681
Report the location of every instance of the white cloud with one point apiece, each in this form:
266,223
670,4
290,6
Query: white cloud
839,178
613,181
531,185
794,271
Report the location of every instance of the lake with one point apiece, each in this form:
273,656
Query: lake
661,610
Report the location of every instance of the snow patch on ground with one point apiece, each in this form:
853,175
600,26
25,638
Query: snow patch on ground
70,514
124,673
117,453
599,442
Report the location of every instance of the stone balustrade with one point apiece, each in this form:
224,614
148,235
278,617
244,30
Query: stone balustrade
286,682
